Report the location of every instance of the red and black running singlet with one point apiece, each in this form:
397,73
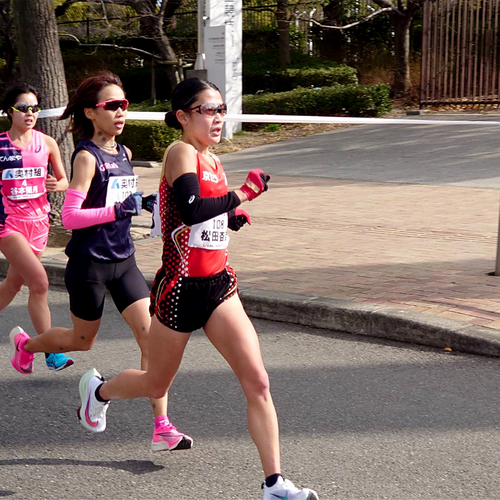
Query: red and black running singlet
199,250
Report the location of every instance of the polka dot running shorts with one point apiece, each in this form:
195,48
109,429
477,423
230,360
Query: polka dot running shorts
185,304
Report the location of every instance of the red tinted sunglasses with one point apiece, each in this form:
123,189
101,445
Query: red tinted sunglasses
113,104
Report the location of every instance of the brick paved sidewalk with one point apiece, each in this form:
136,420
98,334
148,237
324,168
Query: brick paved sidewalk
423,248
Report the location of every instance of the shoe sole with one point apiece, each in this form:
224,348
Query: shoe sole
183,444
84,389
13,333
66,365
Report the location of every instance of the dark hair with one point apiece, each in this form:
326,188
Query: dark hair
86,96
184,95
13,92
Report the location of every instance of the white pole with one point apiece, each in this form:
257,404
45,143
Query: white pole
200,56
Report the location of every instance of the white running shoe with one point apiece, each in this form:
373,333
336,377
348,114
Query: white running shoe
284,489
92,413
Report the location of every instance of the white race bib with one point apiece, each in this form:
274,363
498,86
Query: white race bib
23,183
211,234
119,188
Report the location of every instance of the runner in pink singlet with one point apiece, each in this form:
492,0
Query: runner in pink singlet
24,208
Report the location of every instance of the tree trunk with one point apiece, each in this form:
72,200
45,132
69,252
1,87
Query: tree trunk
42,66
283,33
152,25
402,79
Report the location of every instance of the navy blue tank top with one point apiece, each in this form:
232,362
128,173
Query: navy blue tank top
113,181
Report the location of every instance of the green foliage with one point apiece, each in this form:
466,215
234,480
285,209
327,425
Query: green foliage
265,40
283,79
148,139
355,100
4,124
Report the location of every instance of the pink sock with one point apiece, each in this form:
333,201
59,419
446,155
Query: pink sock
161,421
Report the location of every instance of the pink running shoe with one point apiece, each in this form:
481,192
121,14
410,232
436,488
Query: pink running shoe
168,438
21,360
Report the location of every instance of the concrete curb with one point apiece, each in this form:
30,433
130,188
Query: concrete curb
347,316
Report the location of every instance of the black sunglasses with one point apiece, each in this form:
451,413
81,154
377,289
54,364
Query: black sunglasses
24,108
210,109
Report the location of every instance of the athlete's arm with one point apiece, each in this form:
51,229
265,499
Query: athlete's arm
60,181
73,216
180,172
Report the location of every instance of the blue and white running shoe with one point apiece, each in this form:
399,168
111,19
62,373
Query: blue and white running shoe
57,361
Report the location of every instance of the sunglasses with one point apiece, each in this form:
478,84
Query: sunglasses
24,108
210,109
113,104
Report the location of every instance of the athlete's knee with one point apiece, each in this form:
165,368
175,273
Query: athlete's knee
39,285
256,385
158,390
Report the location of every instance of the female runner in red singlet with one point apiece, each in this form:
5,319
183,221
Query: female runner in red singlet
195,287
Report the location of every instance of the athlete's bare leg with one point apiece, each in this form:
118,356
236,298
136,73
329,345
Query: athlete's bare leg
166,348
58,339
25,267
138,318
233,335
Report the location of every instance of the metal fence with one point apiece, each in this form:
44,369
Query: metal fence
460,50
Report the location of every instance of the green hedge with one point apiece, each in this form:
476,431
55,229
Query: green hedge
148,139
284,79
354,100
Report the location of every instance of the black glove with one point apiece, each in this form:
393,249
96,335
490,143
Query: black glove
237,218
148,202
130,206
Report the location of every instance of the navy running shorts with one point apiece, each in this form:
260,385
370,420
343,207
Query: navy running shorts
87,281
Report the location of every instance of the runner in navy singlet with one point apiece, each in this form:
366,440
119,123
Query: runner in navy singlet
99,205
195,287
25,154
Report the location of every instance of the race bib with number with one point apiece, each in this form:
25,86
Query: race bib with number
23,183
119,187
211,234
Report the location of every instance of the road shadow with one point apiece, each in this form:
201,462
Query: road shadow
137,467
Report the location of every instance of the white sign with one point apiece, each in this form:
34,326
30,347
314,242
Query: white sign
223,49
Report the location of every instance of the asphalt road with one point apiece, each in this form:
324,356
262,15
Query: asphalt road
420,154
360,419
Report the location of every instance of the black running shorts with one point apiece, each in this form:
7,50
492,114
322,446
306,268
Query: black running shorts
87,280
186,304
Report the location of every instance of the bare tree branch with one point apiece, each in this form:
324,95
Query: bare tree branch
120,47
112,45
347,26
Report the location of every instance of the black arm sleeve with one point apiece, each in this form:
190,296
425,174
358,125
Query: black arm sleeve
195,209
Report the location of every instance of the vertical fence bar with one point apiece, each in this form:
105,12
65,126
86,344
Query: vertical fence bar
470,84
494,89
423,61
458,45
446,50
463,51
440,93
452,51
487,74
434,49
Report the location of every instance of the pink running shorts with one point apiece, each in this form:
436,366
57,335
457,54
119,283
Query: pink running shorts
36,231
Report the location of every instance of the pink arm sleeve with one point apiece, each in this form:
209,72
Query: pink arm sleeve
76,217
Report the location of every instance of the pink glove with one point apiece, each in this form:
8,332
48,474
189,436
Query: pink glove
255,184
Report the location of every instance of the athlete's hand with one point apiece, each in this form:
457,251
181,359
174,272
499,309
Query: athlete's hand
130,206
255,184
148,202
51,183
237,218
